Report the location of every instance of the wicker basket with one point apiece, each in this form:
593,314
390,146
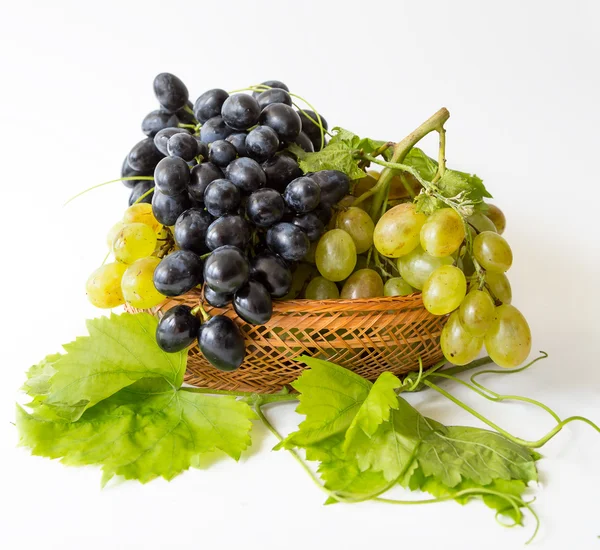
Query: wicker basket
367,336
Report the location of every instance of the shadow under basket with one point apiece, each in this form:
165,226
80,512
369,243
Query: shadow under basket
367,336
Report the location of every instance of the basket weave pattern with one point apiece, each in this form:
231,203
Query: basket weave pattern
368,336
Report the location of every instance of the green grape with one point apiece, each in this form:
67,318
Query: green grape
359,225
300,277
103,288
138,284
476,312
114,230
321,289
465,264
492,252
499,286
444,290
397,231
459,347
335,255
416,267
442,233
481,223
397,286
133,242
508,341
497,216
142,213
364,283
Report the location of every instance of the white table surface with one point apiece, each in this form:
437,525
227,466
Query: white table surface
521,82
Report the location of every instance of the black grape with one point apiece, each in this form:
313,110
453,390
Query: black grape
209,104
302,195
167,209
262,143
172,176
178,273
162,138
310,128
221,197
273,273
213,129
216,299
283,119
128,172
311,224
304,142
222,343
140,189
226,269
274,95
238,140
158,120
265,207
240,111
323,212
222,152
272,84
144,156
253,303
287,240
177,329
246,174
200,177
170,92
280,170
190,230
228,231
184,146
334,185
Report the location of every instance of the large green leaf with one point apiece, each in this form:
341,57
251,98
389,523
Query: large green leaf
144,431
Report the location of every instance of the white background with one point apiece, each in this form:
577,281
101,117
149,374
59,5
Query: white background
521,82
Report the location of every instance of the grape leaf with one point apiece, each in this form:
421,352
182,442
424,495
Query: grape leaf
119,350
460,452
341,473
330,397
376,407
146,430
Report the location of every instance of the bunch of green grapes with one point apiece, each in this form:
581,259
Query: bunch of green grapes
459,275
134,242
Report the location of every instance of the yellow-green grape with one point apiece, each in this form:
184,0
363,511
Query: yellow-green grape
476,312
364,283
133,242
499,286
481,222
497,216
416,267
142,213
492,252
321,289
103,288
138,284
508,341
459,347
442,233
114,230
397,231
359,225
444,290
335,255
397,286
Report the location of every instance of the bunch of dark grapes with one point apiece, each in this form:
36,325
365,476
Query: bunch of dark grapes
241,214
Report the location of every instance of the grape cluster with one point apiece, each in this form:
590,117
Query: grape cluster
229,209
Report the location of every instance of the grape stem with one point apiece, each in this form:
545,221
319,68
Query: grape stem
146,178
381,190
182,125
